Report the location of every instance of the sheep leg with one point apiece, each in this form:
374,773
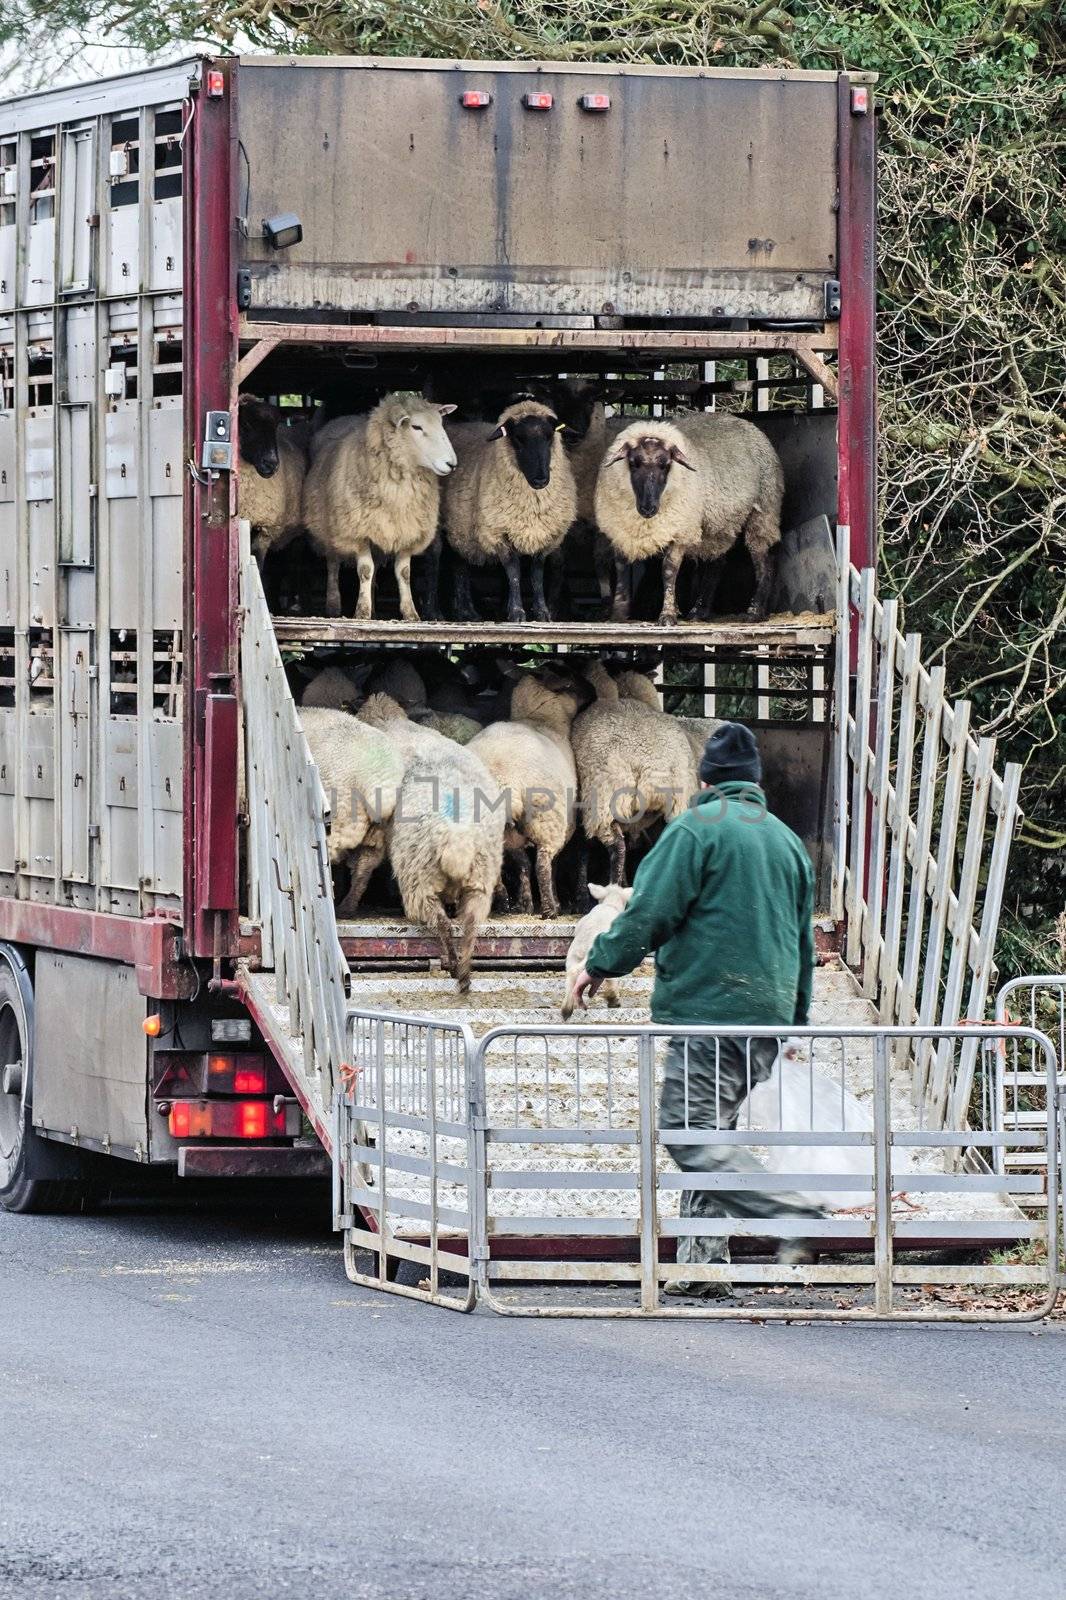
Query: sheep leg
402,568
465,609
618,854
622,574
601,561
512,565
363,862
672,560
549,906
333,587
501,900
581,887
709,578
473,910
428,578
763,559
525,884
541,613
441,925
364,565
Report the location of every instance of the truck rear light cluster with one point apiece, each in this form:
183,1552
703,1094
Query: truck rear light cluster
534,100
475,99
237,1074
537,101
233,1119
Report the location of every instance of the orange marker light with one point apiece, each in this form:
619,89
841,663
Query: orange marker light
153,1025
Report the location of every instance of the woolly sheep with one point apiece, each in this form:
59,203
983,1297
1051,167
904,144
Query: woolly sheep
333,689
633,765
732,489
398,678
532,761
612,899
452,724
511,495
361,771
445,837
270,476
374,486
742,486
637,687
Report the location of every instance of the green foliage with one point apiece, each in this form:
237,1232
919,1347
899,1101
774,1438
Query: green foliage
972,293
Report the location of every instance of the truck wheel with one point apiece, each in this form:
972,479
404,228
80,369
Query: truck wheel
18,1190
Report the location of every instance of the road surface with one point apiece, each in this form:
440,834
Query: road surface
195,1403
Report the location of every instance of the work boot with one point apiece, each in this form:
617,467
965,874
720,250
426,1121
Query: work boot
685,1289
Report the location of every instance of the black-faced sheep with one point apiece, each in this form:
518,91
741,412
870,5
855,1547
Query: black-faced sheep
531,759
634,765
445,837
361,772
375,486
731,488
270,476
511,495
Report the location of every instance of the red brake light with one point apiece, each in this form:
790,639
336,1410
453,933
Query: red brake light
233,1119
252,1119
860,100
537,102
216,83
475,99
181,1119
250,1080
595,102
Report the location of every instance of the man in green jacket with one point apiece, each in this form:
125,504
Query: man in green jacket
726,901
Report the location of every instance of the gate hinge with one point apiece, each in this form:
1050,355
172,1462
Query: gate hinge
244,289
832,300
343,1220
479,1252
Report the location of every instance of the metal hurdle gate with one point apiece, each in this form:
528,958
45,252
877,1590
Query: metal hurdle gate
533,1161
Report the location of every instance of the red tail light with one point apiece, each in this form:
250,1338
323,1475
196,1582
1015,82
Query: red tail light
475,99
216,84
250,1080
595,102
537,102
233,1119
238,1074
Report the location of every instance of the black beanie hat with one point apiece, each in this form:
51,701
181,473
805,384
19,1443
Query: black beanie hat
731,756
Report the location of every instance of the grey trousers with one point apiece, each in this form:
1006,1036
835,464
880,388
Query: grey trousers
709,1095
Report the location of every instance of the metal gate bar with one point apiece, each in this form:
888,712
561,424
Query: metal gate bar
552,1134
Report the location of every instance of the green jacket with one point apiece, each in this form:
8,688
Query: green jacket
726,900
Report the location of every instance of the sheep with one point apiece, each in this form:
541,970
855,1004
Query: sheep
512,495
733,489
332,689
612,900
697,731
398,678
532,761
638,686
452,724
742,484
445,836
633,765
635,686
270,476
361,772
374,486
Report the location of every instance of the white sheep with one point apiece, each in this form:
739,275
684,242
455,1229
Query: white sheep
511,495
445,836
634,765
612,899
639,688
742,486
333,689
270,476
361,772
532,761
375,485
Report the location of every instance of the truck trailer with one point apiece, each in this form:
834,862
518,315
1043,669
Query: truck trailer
318,232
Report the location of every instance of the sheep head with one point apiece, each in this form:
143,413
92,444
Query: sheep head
611,894
257,434
650,459
530,429
417,432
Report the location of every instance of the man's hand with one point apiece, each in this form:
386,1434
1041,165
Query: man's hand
585,987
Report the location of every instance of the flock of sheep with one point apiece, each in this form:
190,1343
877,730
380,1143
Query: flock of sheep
396,483
445,808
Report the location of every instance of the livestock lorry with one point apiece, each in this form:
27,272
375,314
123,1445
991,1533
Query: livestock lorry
176,991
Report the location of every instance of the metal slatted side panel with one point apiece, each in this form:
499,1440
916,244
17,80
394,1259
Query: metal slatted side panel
922,850
290,889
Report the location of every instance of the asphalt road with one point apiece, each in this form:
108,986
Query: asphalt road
196,1403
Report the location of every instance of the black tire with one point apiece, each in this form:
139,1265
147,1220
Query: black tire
19,1191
